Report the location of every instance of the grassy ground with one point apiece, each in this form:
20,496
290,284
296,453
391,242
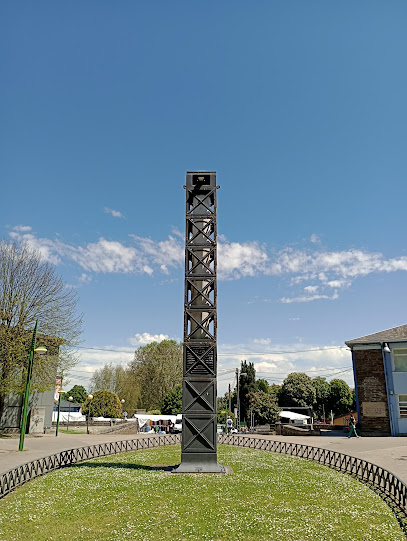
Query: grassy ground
131,497
76,430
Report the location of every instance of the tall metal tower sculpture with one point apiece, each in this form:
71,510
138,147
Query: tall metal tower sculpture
199,453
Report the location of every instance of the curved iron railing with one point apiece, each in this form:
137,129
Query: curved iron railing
385,482
16,477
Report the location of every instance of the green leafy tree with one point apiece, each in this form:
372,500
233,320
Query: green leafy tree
262,385
120,380
78,393
103,404
321,387
172,402
157,368
30,290
297,390
275,390
264,406
247,384
340,399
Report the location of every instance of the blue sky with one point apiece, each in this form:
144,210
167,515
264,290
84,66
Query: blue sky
300,108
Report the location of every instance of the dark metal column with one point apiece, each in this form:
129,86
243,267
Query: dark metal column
199,453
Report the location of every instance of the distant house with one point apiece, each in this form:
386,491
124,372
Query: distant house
380,372
70,406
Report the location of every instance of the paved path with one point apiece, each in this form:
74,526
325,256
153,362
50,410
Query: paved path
390,453
40,446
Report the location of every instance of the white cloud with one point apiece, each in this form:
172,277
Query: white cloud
325,270
175,231
288,300
315,239
166,253
104,256
147,338
44,246
236,260
311,289
332,269
294,319
114,213
262,341
22,228
84,279
346,264
338,283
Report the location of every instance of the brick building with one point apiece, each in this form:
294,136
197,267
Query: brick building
380,371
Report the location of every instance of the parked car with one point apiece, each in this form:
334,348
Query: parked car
178,424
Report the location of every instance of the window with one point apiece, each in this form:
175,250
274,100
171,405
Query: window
403,405
400,360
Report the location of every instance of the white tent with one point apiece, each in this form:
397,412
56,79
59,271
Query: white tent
295,418
144,419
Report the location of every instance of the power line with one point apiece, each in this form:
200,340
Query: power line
310,371
247,353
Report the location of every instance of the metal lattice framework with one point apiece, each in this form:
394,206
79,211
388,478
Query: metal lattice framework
199,441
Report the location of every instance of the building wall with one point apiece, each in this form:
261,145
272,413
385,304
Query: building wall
11,417
396,385
372,391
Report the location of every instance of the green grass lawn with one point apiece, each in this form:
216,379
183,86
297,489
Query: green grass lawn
131,497
73,430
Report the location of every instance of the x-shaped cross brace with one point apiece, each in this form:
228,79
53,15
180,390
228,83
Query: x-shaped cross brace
199,394
198,433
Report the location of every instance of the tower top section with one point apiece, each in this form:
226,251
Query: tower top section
201,180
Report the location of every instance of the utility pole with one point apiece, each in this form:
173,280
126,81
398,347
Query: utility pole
230,402
238,401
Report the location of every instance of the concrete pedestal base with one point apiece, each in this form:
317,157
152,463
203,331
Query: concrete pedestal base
200,464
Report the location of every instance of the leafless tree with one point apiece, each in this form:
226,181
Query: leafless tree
30,289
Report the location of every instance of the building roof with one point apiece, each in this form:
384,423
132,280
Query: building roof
67,404
396,334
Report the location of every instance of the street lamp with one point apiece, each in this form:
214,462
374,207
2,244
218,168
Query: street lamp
41,350
69,412
238,397
90,396
60,393
122,402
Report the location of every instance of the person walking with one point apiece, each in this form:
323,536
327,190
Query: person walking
352,427
229,424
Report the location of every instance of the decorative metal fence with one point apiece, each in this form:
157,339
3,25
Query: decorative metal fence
385,482
16,477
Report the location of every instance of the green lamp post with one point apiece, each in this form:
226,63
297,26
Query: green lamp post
41,350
